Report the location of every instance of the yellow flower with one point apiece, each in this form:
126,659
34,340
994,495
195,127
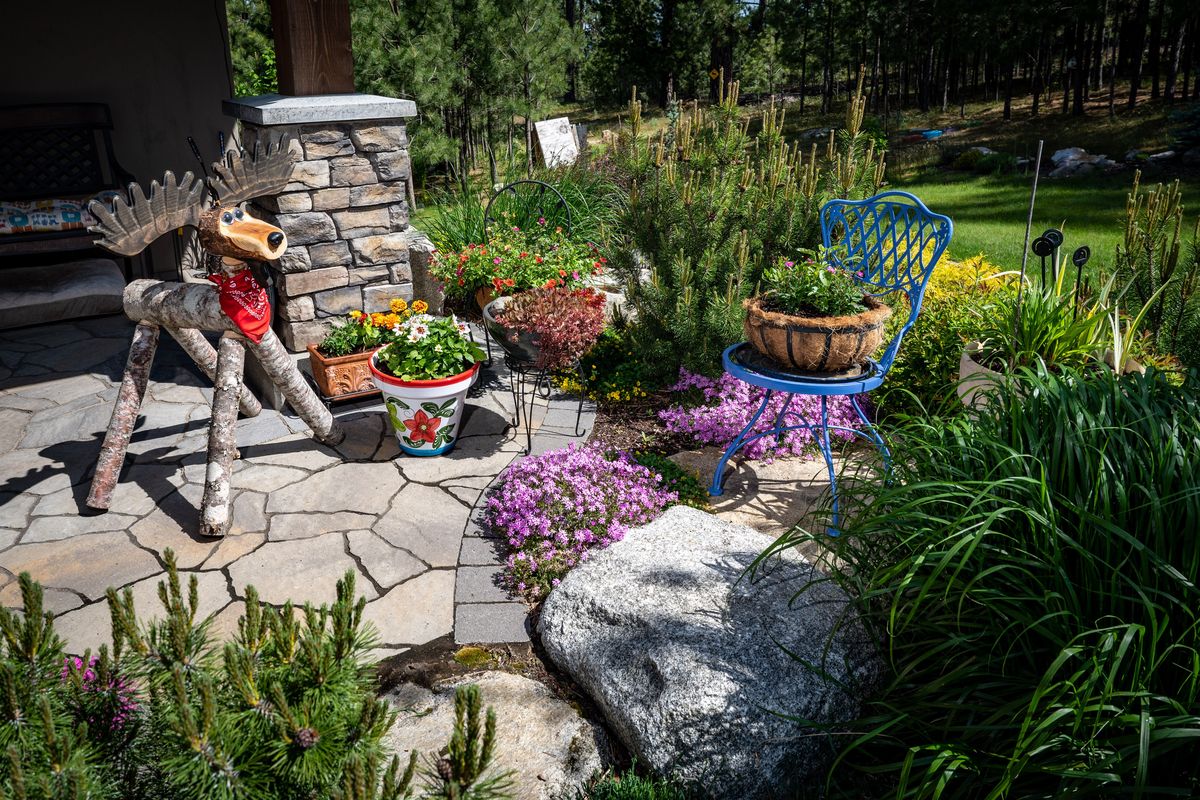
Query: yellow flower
356,315
397,305
391,319
420,306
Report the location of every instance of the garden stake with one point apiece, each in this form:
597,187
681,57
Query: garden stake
1055,238
1042,248
1079,258
1037,170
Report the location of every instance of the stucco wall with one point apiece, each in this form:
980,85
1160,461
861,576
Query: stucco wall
161,65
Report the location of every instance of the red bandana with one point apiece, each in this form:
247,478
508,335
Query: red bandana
245,302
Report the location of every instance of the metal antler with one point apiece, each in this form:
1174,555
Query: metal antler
242,177
129,228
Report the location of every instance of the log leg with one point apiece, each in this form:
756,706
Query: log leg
281,368
215,508
196,346
124,416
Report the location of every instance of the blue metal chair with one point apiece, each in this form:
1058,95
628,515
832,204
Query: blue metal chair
895,241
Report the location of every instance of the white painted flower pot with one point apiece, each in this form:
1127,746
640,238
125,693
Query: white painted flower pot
425,415
974,379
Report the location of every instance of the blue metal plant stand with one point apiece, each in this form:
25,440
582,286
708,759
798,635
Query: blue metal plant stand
894,242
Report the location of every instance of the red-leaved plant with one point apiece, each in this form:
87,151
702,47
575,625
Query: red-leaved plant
565,321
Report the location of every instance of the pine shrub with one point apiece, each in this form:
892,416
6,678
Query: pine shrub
287,709
710,204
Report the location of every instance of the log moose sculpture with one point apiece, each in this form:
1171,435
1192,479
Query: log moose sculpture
237,306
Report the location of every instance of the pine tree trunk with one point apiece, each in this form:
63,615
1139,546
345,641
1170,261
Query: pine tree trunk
216,507
1173,60
1156,50
1037,80
124,415
1081,70
1137,50
1008,91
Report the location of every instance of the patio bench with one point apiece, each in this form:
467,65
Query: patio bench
54,158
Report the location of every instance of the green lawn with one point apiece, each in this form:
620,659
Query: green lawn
989,212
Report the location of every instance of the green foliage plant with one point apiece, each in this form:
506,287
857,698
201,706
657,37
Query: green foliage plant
632,786
708,212
45,752
467,771
924,374
1159,272
516,259
685,483
430,348
616,369
285,709
1028,574
819,283
360,331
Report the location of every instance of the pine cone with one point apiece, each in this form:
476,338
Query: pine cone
444,769
307,737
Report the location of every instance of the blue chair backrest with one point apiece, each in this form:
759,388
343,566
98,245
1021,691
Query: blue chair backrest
894,241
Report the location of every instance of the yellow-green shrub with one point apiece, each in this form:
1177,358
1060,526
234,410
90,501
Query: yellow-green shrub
925,371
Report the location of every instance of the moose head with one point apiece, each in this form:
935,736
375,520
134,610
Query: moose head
213,206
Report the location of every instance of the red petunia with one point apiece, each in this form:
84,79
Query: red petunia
422,427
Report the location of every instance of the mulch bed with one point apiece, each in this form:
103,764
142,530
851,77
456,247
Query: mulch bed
634,425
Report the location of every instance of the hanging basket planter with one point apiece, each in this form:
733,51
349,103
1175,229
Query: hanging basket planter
816,344
425,415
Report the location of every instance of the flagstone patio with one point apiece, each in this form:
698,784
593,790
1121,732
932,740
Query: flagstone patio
304,513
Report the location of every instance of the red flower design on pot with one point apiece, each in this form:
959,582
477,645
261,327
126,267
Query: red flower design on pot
422,427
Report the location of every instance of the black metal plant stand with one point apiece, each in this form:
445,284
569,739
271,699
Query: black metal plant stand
528,382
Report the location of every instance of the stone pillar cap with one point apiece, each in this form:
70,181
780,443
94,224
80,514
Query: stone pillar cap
277,109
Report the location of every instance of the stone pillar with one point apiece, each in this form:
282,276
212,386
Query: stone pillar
346,211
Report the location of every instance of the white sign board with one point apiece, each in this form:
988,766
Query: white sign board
557,141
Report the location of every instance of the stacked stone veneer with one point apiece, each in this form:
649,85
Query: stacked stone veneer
346,217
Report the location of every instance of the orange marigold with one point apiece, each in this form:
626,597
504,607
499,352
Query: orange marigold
397,305
420,306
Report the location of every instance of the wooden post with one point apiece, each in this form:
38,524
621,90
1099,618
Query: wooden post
124,416
196,346
312,46
215,507
281,368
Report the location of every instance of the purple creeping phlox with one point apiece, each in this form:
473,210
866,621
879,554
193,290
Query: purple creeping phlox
102,706
728,404
553,509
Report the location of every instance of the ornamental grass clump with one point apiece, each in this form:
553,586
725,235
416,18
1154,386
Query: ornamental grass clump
715,410
554,509
1029,572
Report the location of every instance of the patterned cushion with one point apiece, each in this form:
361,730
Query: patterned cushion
43,216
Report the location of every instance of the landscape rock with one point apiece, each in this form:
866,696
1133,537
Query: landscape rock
685,654
551,748
1191,157
1067,154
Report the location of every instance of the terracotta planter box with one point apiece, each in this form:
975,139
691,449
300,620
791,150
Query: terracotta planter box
338,376
816,344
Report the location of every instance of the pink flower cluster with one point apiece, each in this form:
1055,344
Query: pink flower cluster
727,404
553,509
109,705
